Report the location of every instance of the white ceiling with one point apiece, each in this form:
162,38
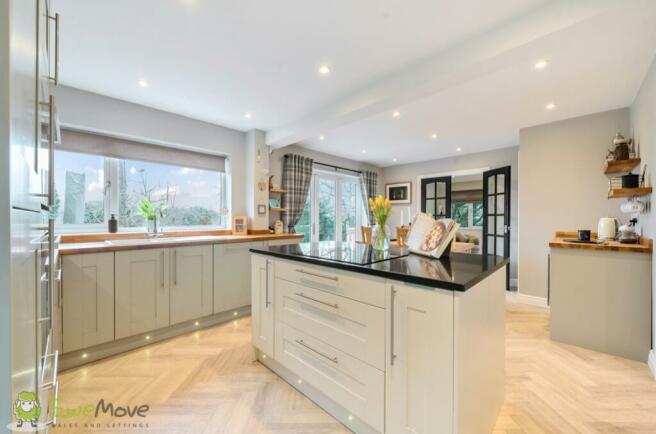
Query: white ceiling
463,70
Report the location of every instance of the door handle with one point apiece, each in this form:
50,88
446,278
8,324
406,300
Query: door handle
392,300
266,292
55,77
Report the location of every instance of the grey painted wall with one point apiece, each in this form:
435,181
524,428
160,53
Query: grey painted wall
97,113
643,130
562,186
491,159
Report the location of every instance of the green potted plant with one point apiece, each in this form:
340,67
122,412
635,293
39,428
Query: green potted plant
151,213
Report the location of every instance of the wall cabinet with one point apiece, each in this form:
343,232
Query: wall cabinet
233,278
262,296
142,291
88,300
419,367
191,283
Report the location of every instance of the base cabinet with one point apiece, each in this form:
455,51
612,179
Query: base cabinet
191,283
142,291
88,297
419,369
233,277
262,322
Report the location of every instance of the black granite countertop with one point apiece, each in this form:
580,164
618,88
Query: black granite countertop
457,272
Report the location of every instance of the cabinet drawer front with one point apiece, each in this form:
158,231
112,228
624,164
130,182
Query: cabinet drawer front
345,379
367,289
355,328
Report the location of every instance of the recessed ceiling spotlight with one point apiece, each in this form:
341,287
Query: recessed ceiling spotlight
541,64
396,114
394,160
433,136
324,70
364,151
143,83
459,149
248,115
322,137
550,106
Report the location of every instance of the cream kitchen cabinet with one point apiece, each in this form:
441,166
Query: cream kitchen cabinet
232,276
142,291
88,300
419,360
191,283
262,296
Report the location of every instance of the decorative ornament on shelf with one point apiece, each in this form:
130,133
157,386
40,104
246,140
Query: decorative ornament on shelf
278,227
620,149
381,208
261,185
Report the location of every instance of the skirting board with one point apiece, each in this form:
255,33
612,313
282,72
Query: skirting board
651,362
340,413
77,358
529,299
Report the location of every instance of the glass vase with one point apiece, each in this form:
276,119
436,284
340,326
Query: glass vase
380,238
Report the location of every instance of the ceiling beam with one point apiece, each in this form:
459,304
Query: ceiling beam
516,41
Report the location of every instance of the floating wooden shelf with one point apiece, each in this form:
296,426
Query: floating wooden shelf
278,190
629,192
621,167
278,209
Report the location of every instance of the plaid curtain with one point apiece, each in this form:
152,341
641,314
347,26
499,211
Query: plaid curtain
369,185
296,177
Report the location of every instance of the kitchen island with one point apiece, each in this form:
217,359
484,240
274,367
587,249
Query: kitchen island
386,342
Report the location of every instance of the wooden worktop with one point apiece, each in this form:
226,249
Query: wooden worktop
644,246
74,244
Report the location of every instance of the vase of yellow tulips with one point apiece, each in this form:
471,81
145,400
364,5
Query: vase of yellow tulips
381,209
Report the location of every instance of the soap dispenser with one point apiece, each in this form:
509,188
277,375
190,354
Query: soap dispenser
112,224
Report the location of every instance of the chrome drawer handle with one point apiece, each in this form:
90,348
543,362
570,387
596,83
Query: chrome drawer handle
392,353
323,276
303,344
55,367
334,306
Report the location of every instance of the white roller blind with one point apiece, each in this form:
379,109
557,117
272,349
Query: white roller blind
90,143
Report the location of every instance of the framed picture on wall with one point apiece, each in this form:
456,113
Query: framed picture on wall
399,193
240,225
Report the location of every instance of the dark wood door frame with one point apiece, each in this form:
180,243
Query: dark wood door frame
493,196
436,198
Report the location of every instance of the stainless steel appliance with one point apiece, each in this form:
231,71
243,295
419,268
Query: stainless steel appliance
32,265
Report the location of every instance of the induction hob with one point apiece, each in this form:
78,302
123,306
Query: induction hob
351,253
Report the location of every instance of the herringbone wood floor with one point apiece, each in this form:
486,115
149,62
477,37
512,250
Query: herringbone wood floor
205,382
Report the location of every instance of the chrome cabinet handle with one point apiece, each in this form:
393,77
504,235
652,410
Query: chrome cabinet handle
334,306
175,267
303,344
55,78
323,276
161,272
53,421
266,292
55,367
392,355
51,151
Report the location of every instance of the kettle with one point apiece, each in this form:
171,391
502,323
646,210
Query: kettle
607,228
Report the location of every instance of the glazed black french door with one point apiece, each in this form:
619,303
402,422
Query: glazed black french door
436,196
496,214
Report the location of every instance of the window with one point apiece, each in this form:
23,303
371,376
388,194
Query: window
89,188
468,214
334,210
